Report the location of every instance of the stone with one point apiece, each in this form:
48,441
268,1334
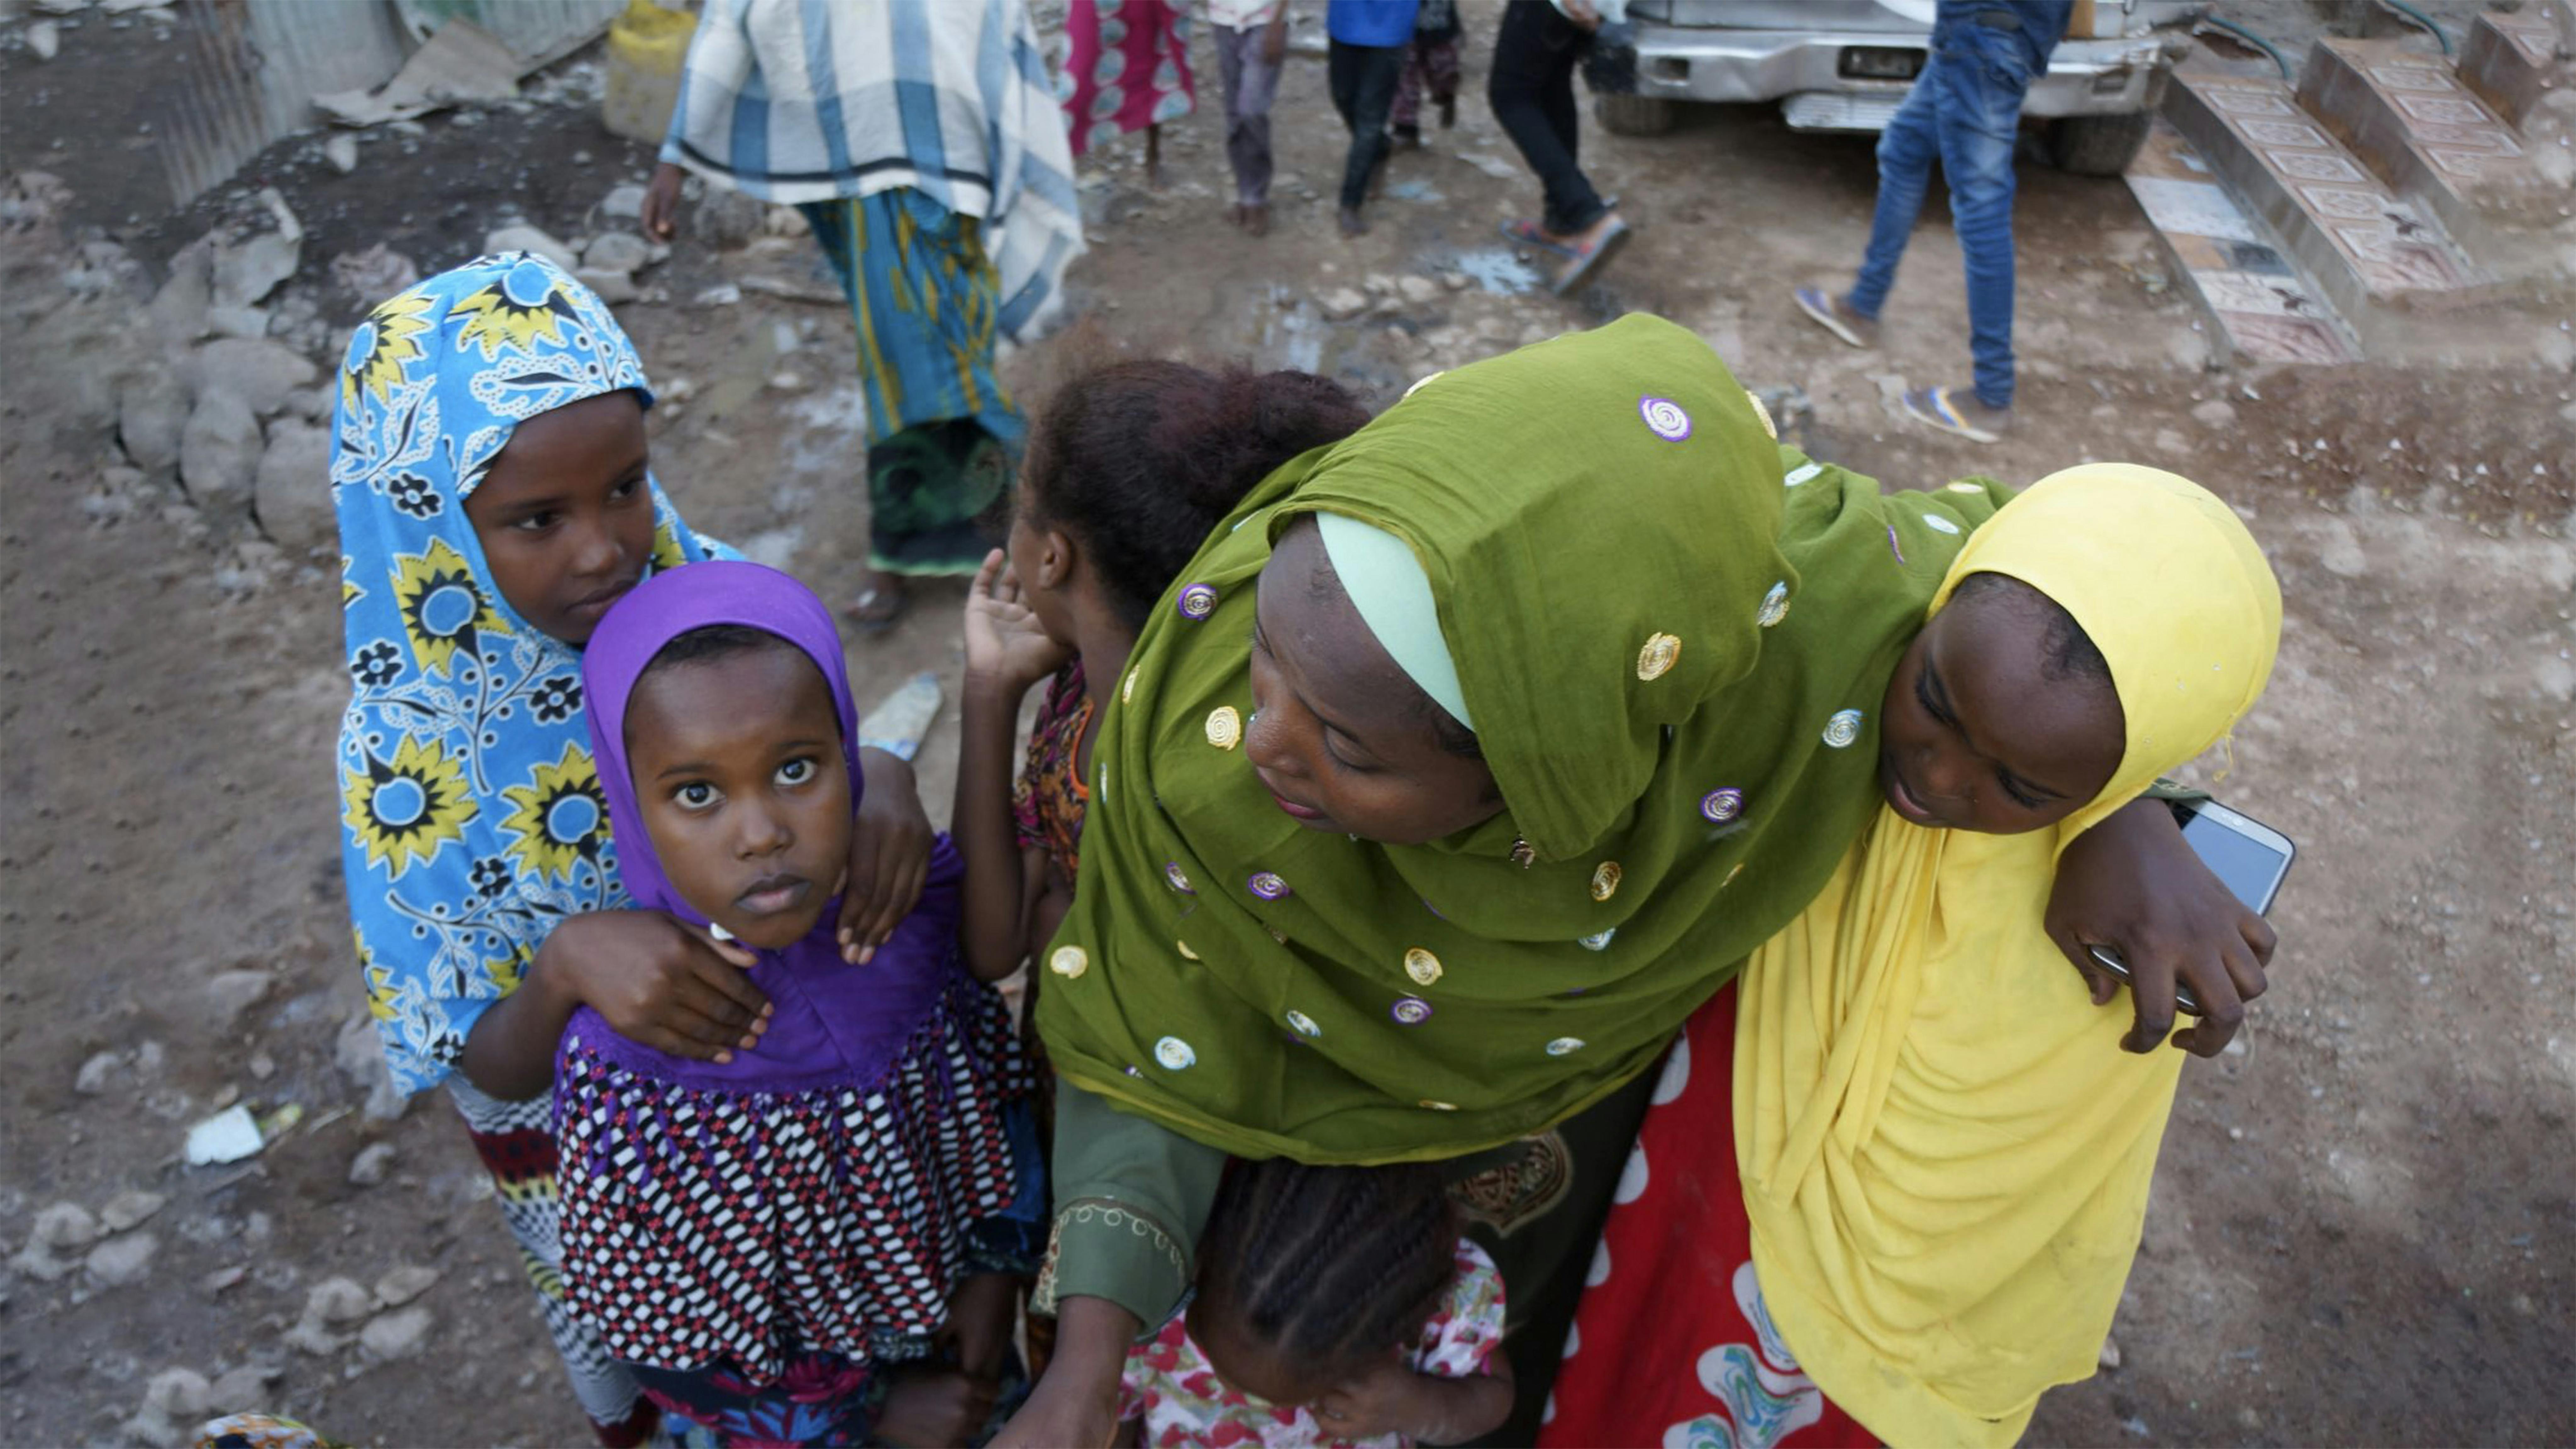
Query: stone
123,1260
44,38
2171,443
177,1392
2215,413
373,1161
401,1285
151,416
398,1334
360,1054
612,287
178,310
341,151
316,405
617,251
219,453
1379,284
2556,165
221,1279
247,270
291,498
238,1389
1341,304
726,218
1418,290
230,993
337,1300
374,274
237,321
98,1073
524,238
64,1225
624,203
787,381
130,1208
722,294
1456,281
264,374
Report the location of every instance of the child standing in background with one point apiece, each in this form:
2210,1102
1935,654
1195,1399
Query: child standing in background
1251,41
1127,65
772,1238
489,469
1370,39
1430,64
1336,1305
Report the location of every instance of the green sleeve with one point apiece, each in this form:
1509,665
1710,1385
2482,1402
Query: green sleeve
1130,1200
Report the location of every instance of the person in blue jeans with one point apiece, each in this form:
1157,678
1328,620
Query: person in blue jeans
1364,65
1964,111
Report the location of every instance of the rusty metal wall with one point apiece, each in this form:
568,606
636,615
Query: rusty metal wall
255,65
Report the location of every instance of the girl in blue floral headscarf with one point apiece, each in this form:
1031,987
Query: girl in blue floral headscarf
489,468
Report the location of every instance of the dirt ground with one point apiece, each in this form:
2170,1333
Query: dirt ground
2361,1221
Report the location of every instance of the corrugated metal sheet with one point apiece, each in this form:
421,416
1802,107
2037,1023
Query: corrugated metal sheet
255,65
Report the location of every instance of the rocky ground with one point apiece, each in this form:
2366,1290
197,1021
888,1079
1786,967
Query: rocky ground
2361,1220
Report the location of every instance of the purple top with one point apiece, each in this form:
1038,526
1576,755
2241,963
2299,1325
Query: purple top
834,1024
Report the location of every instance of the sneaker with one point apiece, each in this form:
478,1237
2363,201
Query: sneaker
1959,412
1836,316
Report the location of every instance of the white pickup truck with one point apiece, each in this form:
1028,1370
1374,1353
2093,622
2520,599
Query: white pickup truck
1844,65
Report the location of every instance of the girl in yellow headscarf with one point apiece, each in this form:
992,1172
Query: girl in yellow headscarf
1943,1163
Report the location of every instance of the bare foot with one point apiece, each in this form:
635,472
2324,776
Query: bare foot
1154,179
1256,218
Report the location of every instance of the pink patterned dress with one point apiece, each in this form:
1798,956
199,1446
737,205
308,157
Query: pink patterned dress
1128,67
1171,1386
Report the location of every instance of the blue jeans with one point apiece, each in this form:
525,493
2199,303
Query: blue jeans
1964,111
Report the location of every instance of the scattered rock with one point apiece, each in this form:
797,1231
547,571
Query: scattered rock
237,322
264,374
617,251
2218,412
130,1208
787,381
1379,284
178,310
726,218
374,274
262,1066
623,202
398,1334
238,1389
65,1225
123,1260
219,453
528,239
1341,304
151,416
403,1284
612,287
44,38
177,1392
337,1300
1418,290
292,501
221,1279
2171,443
360,1055
248,269
1456,281
2110,1354
373,1161
230,993
341,150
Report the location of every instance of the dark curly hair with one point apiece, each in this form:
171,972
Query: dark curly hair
1138,460
1328,1268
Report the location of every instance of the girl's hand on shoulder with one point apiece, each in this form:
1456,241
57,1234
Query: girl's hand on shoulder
1385,1400
663,983
1007,649
2132,884
890,845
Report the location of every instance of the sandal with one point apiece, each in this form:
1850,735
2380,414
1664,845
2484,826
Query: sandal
1591,259
1529,234
879,608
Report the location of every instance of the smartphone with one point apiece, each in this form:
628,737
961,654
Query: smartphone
2248,855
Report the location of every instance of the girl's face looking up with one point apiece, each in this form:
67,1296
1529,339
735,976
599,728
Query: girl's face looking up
737,767
1989,725
565,516
1340,737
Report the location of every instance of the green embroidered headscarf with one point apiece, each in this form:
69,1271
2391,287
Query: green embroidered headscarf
1672,634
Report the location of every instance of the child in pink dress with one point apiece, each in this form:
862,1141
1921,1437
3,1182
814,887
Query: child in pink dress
1335,1306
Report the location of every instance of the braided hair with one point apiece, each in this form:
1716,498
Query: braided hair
1328,1268
1140,460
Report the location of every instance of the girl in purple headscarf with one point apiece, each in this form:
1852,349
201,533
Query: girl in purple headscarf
773,1239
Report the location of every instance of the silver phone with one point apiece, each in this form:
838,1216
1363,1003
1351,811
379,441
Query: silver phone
2251,857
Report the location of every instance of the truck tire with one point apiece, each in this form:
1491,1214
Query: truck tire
1634,115
2098,145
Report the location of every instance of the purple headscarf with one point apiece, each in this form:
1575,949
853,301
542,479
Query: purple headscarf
834,1023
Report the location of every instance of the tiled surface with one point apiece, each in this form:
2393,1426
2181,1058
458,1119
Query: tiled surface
2267,313
2416,122
2505,59
2326,202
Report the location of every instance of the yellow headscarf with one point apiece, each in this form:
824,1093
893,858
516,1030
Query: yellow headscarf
1945,1154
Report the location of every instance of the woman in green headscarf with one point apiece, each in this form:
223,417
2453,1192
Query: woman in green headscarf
1552,705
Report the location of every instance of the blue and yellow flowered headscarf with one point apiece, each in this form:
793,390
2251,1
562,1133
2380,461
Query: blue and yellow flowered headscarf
471,820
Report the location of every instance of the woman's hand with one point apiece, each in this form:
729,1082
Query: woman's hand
981,1314
1007,649
661,983
1076,1405
1381,1401
661,213
889,863
928,1408
2132,884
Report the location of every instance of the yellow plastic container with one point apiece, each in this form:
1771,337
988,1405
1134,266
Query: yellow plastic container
646,47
